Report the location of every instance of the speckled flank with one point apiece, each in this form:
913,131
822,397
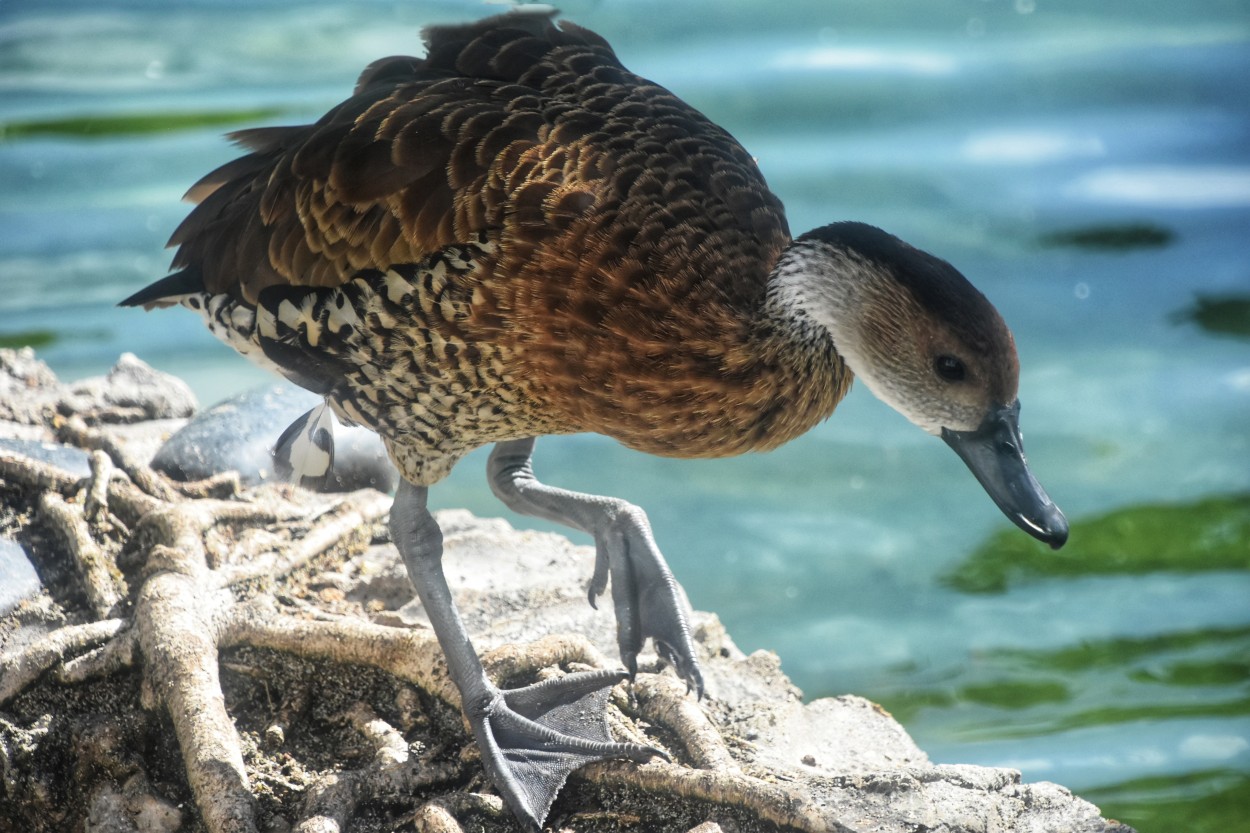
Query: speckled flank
405,373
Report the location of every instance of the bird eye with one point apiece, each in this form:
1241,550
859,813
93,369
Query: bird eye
950,368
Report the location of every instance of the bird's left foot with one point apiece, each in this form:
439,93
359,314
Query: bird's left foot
646,598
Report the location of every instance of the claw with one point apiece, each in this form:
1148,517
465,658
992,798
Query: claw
686,670
630,660
598,581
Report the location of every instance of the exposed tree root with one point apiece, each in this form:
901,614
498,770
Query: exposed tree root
175,574
442,814
771,802
19,670
103,581
662,700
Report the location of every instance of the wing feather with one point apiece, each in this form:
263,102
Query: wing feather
510,123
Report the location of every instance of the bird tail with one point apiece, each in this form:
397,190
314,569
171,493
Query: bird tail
168,291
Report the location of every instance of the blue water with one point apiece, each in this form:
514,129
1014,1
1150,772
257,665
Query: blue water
972,129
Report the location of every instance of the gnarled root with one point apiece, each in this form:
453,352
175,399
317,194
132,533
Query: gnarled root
163,578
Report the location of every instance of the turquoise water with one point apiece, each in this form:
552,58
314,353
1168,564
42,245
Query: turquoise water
1087,165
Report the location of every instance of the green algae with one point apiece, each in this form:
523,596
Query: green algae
28,338
1213,801
1200,536
1016,693
1117,237
131,124
1221,315
1013,693
1101,654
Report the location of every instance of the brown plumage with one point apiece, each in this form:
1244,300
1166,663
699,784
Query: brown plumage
631,240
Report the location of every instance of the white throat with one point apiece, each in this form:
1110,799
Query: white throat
843,293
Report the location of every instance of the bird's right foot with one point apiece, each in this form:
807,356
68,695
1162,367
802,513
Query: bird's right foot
531,738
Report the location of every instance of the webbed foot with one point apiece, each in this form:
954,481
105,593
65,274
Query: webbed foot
531,738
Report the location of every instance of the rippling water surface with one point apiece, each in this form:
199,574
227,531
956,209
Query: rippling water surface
1087,165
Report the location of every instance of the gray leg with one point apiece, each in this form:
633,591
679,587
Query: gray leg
531,738
644,593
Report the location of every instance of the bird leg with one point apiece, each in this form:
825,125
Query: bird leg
645,595
531,738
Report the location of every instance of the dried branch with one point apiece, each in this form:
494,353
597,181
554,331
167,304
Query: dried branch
96,504
119,652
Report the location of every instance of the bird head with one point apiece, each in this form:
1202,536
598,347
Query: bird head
926,342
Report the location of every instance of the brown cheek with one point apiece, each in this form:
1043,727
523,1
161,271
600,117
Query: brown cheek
982,396
1002,369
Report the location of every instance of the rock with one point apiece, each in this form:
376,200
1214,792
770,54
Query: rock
861,766
18,579
25,384
67,458
135,387
239,433
30,393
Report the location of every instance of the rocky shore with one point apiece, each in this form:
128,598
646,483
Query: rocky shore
213,651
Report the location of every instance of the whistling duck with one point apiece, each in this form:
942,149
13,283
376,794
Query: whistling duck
515,236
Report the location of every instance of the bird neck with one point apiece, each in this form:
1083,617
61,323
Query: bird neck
814,294
859,306
820,291
795,339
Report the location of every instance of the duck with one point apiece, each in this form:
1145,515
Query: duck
514,236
